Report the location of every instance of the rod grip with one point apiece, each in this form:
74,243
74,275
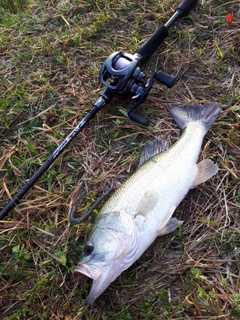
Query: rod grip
186,6
151,45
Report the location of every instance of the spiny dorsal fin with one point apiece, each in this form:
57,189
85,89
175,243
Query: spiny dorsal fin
206,169
151,149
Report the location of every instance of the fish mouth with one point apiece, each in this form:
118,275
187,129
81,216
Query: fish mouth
91,271
102,277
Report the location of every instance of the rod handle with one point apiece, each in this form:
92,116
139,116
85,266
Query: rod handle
151,45
186,6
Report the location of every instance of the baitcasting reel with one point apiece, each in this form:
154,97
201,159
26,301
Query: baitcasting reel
121,73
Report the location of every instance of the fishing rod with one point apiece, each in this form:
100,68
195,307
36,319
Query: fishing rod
121,74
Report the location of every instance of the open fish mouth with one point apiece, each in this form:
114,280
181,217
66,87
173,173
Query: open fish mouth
102,276
91,271
101,279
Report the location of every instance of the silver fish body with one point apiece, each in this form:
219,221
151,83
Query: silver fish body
141,209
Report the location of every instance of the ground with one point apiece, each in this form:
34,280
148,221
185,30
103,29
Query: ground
50,56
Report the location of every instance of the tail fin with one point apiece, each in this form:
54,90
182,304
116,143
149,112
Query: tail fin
207,114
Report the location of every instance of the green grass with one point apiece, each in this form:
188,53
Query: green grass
13,6
51,54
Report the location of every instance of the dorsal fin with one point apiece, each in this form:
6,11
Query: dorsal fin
151,149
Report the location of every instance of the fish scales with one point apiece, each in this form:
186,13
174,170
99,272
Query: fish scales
163,169
142,208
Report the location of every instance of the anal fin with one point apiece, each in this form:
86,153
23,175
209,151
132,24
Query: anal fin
170,226
205,170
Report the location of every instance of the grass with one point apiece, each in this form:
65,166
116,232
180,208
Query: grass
51,54
13,6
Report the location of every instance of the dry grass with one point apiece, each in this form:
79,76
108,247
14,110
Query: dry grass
50,58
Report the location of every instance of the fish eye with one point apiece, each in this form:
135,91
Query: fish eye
88,248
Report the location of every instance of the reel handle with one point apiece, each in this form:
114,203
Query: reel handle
138,118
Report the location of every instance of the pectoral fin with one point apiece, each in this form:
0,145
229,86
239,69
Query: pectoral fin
205,170
147,203
171,225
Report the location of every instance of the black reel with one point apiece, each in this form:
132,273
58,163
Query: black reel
122,74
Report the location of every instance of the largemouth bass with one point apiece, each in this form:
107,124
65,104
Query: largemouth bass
141,209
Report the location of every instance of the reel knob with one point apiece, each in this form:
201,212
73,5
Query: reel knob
138,118
165,79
